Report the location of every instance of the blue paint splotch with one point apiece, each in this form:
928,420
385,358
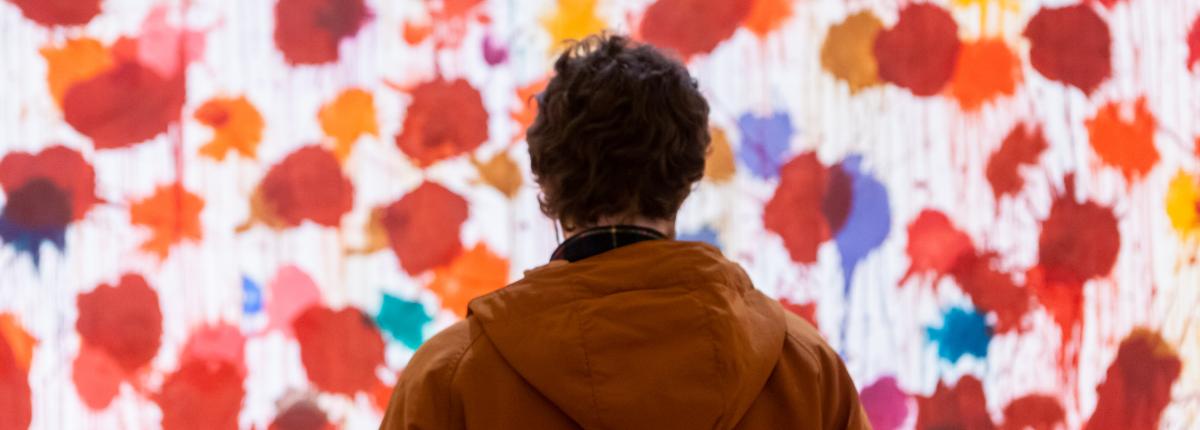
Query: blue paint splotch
869,220
37,212
885,403
252,300
765,141
403,320
706,235
963,332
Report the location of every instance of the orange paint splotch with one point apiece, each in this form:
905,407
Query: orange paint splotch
236,124
347,117
500,172
172,214
1183,204
767,16
19,340
414,33
474,273
527,111
572,20
1125,141
719,166
75,60
987,69
848,51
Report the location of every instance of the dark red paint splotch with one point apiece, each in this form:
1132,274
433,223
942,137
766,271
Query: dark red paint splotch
1071,45
308,184
302,415
991,290
1021,147
39,205
63,167
51,13
124,105
423,227
16,405
1137,387
920,52
122,320
1078,242
1193,42
310,31
340,349
795,211
963,406
692,27
838,195
445,119
1035,412
201,394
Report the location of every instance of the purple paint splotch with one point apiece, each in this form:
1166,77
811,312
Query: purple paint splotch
494,52
885,403
869,220
36,212
765,141
706,234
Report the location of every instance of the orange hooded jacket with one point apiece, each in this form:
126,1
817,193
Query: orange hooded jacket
655,335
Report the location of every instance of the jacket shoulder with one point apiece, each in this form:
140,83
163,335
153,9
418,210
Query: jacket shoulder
424,397
814,360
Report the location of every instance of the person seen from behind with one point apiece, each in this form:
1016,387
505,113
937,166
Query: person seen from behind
625,327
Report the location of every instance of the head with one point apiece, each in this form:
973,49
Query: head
620,136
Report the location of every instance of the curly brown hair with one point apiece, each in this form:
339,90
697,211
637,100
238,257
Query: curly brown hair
621,131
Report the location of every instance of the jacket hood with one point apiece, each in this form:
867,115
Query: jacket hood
658,334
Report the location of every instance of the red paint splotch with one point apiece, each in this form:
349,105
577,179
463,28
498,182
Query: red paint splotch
963,406
808,310
308,184
991,290
301,415
16,405
1078,242
921,51
935,244
63,167
444,120
124,105
201,394
123,320
1138,385
1125,139
340,349
692,27
310,31
51,13
1034,411
1022,147
97,378
795,211
220,342
1193,42
1071,45
423,227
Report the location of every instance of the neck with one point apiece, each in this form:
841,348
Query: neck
664,226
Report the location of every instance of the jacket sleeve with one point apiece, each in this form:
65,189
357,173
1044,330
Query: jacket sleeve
424,398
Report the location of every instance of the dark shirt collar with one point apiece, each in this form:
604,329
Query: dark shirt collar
598,240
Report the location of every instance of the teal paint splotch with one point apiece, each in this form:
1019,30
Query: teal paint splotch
963,332
403,320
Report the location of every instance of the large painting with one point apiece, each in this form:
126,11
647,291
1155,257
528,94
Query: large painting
249,214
